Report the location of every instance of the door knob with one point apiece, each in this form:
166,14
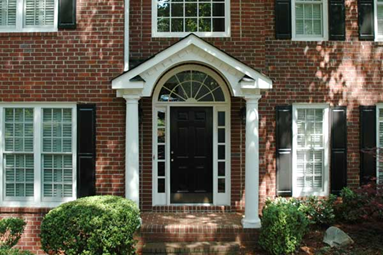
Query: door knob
172,160
172,152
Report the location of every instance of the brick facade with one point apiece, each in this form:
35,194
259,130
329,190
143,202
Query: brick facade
77,66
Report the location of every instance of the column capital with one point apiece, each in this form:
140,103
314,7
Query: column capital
252,98
131,98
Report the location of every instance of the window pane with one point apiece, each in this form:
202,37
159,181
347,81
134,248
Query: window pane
161,168
380,18
191,25
219,9
161,151
219,25
221,151
161,135
19,175
205,10
39,13
221,119
177,10
8,13
221,185
191,9
221,168
177,25
221,135
18,130
161,185
57,176
57,130
163,9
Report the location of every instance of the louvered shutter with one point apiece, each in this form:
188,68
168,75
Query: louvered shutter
8,13
366,19
367,143
337,20
284,150
338,149
283,19
86,146
67,14
39,13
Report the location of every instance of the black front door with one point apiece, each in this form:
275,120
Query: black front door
191,154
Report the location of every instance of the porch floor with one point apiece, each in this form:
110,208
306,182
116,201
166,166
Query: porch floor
187,233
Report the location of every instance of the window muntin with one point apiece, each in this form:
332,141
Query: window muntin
28,15
309,19
37,152
191,86
180,17
310,148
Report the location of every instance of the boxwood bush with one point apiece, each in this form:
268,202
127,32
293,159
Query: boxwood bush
283,226
91,225
11,230
8,251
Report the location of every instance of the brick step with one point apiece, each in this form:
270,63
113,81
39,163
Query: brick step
191,248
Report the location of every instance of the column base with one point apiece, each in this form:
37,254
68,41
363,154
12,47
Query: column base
251,223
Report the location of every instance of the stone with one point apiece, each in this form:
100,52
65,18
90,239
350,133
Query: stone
335,237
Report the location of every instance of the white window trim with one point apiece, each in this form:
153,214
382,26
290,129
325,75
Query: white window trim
296,37
20,11
299,192
219,199
378,38
38,201
155,33
379,107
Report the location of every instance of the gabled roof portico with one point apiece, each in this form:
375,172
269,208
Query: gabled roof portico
241,80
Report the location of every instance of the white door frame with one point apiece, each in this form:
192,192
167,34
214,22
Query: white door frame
218,198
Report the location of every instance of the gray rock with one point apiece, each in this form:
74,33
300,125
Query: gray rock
336,237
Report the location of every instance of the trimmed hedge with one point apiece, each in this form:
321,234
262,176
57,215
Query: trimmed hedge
11,230
283,226
91,225
7,251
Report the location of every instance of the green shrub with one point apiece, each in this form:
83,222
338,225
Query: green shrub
91,225
8,251
283,226
319,211
11,230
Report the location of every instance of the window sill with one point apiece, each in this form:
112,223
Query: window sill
314,39
28,32
184,34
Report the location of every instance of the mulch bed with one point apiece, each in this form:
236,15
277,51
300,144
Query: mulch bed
367,236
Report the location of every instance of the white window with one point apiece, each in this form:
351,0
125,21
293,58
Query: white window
309,18
37,153
177,18
310,150
28,15
379,20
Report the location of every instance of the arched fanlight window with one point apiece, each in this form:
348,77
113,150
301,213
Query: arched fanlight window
191,86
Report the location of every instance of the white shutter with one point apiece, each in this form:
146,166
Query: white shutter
8,13
39,13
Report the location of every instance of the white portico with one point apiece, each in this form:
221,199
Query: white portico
192,79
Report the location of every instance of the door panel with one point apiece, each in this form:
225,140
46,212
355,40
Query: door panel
191,173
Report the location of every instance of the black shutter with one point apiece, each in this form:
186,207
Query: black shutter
338,149
366,19
67,14
367,143
283,19
284,140
86,150
337,20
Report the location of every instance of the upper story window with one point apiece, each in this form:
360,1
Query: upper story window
309,20
28,15
177,18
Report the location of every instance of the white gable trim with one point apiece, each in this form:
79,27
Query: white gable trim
191,49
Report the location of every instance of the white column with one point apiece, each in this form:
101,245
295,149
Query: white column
251,219
132,180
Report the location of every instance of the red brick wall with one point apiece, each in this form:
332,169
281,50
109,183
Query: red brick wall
72,66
